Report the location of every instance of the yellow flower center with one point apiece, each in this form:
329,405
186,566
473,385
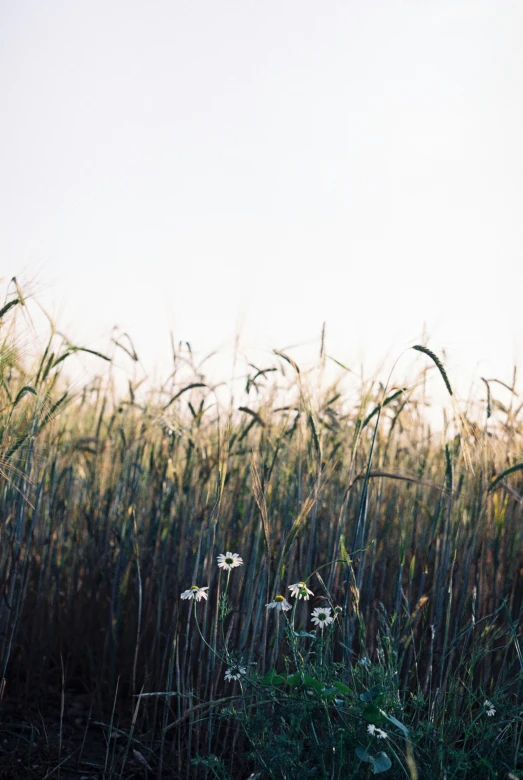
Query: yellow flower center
322,616
279,598
194,587
229,560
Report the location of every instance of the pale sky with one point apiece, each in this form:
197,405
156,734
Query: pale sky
214,166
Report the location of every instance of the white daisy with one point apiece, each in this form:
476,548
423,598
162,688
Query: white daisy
375,732
235,673
300,591
322,616
489,707
279,604
195,593
229,561
365,661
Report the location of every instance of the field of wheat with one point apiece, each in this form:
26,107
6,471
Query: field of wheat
403,541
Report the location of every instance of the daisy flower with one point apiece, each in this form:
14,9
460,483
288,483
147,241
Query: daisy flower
280,603
489,707
322,616
300,591
375,732
235,673
195,593
229,561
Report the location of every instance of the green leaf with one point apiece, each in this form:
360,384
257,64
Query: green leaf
369,696
381,763
372,714
504,474
396,722
294,679
341,365
272,678
363,755
341,686
268,677
312,683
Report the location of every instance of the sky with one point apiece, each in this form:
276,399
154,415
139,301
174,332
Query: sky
223,169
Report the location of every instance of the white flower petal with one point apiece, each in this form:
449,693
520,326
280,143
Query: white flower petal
321,616
375,732
195,592
300,591
235,673
279,604
229,561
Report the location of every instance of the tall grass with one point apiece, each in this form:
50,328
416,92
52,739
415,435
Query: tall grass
111,506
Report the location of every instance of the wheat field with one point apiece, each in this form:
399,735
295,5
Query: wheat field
113,503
